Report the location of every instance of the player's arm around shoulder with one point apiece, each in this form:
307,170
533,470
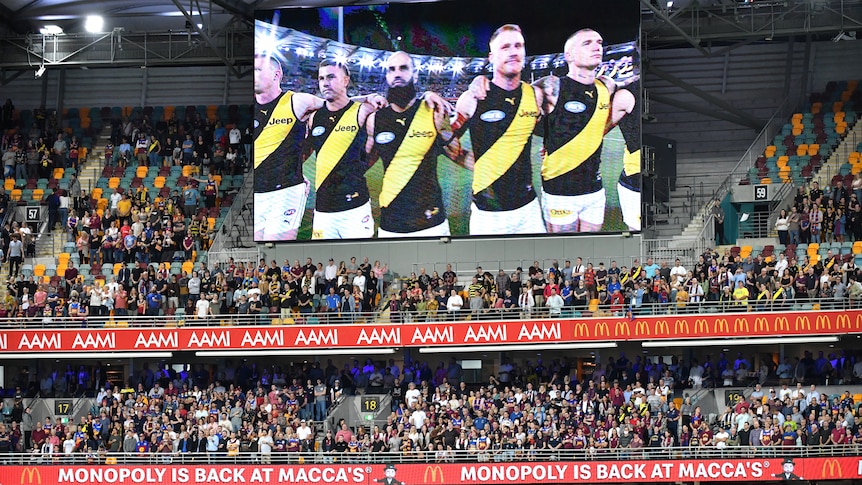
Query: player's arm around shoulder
452,131
547,90
369,141
304,105
622,103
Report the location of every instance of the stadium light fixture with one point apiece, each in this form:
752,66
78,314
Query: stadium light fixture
516,348
741,341
94,24
288,352
51,29
40,71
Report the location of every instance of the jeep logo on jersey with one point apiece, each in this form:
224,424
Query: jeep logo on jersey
385,137
575,107
317,131
492,116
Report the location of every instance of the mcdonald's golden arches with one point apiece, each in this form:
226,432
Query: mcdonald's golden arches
31,476
433,472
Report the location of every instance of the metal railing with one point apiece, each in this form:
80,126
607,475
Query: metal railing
432,316
493,454
225,237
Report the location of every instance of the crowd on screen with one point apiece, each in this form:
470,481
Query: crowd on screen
272,413
818,216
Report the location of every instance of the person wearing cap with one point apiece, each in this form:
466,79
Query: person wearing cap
787,469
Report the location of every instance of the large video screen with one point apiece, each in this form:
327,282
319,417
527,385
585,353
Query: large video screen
457,118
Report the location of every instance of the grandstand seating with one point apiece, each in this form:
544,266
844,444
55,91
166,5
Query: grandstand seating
85,124
802,146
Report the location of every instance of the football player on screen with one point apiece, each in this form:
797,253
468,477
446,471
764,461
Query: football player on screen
280,189
625,112
408,136
337,133
501,126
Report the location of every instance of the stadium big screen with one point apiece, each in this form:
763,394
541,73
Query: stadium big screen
458,118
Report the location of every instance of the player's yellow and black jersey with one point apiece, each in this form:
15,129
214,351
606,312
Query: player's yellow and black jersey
278,138
630,126
339,141
408,143
573,139
501,133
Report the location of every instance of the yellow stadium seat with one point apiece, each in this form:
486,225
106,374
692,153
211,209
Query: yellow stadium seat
110,324
96,193
58,173
15,194
141,172
188,267
797,130
594,305
769,151
802,149
813,149
766,180
159,182
9,184
123,324
796,117
113,182
39,270
38,194
211,222
117,268
101,204
276,321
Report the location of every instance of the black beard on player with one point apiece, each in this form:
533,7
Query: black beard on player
401,95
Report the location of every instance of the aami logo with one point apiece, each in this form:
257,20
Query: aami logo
575,107
385,137
317,131
492,116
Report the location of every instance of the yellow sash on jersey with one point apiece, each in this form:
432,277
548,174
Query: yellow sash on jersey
333,149
632,162
583,145
272,135
409,155
505,151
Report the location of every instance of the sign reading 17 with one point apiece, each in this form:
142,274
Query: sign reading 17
63,407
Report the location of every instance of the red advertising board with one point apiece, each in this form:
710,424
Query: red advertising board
190,337
731,470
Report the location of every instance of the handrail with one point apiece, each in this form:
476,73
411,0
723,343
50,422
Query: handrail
494,454
440,316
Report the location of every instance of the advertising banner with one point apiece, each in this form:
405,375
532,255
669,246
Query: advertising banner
190,337
647,471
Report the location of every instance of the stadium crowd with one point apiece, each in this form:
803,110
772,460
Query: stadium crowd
525,411
347,289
